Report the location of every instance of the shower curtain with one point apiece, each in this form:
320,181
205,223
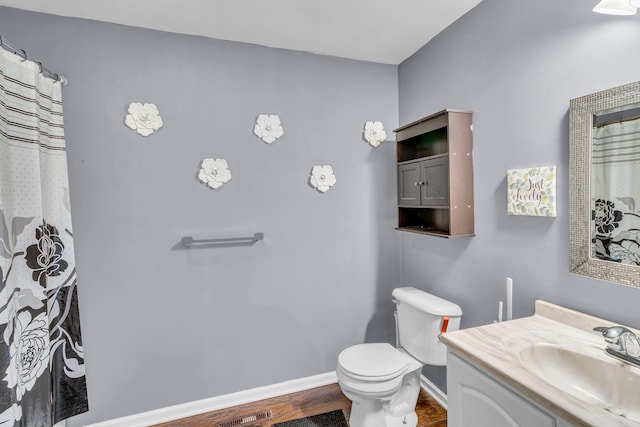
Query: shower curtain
42,375
615,192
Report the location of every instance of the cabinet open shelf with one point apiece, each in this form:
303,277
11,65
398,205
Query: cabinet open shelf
435,175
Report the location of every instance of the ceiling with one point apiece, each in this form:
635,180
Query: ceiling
385,31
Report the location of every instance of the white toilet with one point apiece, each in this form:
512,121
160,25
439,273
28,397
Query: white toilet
383,382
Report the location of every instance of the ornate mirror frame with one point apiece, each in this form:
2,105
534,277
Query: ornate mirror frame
581,114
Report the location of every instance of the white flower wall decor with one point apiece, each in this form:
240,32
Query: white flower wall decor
214,172
143,118
322,178
374,133
268,127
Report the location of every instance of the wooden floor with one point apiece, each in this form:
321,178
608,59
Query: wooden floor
299,405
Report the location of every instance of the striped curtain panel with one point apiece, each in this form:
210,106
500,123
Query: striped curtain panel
615,192
42,375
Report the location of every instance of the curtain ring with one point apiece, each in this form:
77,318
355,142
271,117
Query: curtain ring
0,40
57,77
24,54
40,66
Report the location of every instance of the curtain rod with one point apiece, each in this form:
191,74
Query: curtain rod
617,117
45,72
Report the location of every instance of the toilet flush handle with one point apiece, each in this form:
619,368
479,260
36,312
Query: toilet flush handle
445,323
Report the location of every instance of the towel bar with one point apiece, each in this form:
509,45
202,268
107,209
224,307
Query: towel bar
188,241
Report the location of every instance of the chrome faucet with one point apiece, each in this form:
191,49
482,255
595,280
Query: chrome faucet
621,343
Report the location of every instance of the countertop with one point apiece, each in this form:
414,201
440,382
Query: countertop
496,348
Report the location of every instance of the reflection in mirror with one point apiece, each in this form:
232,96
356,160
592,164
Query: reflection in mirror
604,224
615,185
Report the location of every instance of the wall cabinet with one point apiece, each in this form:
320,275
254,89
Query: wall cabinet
475,399
435,175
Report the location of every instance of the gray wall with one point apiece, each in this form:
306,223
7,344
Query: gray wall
164,326
516,64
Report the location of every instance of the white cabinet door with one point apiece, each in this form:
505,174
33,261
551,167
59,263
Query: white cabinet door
476,400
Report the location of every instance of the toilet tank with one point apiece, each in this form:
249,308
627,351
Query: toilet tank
421,317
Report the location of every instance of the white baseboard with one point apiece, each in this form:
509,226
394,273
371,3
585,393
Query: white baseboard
431,389
189,409
219,402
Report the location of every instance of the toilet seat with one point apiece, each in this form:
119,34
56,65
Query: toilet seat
375,370
374,362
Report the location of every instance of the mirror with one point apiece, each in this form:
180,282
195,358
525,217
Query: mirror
604,185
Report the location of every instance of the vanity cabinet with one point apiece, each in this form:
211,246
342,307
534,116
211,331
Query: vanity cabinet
435,175
476,399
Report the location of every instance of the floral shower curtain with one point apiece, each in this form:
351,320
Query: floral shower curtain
615,192
42,375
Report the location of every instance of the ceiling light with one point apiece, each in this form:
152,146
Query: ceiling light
616,7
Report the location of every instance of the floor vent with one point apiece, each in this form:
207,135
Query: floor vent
244,421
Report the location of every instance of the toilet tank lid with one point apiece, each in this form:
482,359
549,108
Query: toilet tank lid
426,302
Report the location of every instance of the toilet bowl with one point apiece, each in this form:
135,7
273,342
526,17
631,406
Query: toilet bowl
371,376
382,381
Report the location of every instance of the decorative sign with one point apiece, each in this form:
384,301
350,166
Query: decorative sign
532,191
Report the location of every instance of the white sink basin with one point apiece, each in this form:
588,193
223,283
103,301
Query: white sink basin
603,382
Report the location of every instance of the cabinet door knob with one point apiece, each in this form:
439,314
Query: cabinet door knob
416,183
